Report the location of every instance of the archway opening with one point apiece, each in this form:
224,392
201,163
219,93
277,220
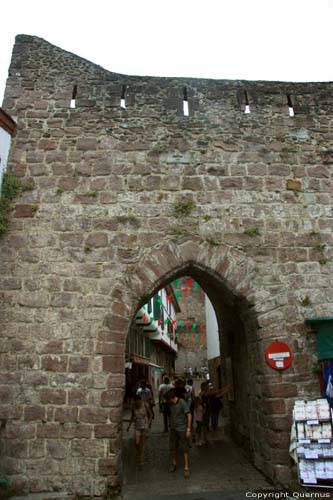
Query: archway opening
193,325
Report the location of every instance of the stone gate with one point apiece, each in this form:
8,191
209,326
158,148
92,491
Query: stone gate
121,193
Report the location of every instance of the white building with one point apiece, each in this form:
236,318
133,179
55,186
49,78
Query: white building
7,128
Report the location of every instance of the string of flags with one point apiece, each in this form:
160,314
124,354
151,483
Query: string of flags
189,338
189,283
173,322
197,338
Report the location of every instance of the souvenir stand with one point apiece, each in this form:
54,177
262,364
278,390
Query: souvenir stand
312,421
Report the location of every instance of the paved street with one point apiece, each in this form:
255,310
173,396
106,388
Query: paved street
219,470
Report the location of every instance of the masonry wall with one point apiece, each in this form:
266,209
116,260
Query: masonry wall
108,221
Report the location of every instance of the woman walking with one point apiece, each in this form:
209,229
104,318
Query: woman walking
142,417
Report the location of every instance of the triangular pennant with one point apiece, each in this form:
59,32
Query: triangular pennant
176,283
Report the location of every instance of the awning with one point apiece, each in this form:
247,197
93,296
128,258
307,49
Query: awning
156,368
324,330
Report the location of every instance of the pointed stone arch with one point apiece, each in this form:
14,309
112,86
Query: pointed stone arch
227,275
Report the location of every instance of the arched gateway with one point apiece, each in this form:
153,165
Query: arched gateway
122,193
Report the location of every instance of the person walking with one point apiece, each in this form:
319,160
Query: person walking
146,395
164,407
180,430
215,406
141,416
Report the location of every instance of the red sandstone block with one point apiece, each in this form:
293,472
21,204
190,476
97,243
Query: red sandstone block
116,380
46,144
65,415
77,397
116,323
53,347
11,412
69,430
112,397
280,390
273,406
25,210
97,240
53,396
93,415
20,430
110,348
32,413
48,430
78,364
54,363
6,394
113,364
107,466
105,431
86,144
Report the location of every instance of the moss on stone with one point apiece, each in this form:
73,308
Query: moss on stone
11,187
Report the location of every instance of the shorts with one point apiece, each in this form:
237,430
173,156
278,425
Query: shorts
178,439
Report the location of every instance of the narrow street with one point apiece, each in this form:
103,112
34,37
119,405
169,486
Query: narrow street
219,470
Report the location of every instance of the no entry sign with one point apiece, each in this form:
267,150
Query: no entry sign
278,355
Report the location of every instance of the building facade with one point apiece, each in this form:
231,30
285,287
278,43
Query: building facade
151,346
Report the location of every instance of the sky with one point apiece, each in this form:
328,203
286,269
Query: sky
276,40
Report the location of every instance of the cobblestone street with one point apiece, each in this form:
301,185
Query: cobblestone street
219,470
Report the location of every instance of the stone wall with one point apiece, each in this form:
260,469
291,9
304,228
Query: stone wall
125,200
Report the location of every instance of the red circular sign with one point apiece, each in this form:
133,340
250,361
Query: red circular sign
278,355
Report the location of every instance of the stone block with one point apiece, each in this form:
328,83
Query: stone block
86,144
63,415
93,415
53,396
114,364
76,430
105,431
107,466
57,448
78,364
77,397
54,363
49,430
34,413
25,210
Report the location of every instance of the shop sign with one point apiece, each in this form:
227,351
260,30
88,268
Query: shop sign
278,355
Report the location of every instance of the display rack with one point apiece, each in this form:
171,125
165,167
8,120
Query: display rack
314,443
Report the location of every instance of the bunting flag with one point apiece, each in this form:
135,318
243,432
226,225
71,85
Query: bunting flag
189,338
174,323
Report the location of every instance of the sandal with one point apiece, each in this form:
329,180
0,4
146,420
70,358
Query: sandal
172,468
186,473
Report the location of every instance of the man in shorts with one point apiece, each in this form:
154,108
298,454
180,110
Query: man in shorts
180,430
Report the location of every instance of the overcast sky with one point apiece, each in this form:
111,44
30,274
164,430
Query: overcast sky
289,40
